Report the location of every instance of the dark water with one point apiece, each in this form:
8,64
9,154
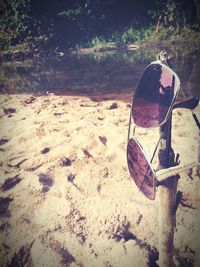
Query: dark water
99,72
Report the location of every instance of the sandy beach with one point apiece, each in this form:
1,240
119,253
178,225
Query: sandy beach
67,198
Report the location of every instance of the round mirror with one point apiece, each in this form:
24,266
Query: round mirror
154,95
140,169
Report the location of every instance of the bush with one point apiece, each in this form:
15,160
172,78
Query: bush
14,21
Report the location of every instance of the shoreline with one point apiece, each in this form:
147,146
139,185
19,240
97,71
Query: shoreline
18,52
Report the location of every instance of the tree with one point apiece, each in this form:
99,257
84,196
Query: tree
197,5
14,15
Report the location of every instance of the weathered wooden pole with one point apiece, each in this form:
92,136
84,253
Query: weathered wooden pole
167,191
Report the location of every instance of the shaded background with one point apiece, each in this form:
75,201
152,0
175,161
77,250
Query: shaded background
67,23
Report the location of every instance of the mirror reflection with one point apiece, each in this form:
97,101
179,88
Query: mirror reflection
154,95
140,169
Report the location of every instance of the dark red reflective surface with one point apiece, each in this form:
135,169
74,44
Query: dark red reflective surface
140,169
154,95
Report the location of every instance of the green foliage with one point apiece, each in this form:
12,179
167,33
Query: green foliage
170,13
97,42
84,14
131,36
189,33
62,23
146,35
174,14
13,21
167,35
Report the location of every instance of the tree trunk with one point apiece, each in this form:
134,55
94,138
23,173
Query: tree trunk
197,5
158,24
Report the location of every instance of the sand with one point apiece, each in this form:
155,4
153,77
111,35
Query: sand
67,198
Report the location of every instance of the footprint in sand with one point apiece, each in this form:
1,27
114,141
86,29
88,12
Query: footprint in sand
3,141
4,205
10,183
8,111
45,150
22,257
65,162
113,106
29,100
46,182
103,140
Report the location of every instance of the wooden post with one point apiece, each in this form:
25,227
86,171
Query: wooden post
167,221
167,191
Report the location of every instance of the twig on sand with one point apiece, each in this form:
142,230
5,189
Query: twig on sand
16,165
163,174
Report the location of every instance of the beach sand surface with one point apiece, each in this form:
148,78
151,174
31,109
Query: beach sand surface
67,198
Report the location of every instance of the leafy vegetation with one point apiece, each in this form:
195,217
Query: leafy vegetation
14,21
60,24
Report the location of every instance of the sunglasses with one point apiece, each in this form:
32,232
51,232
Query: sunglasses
152,104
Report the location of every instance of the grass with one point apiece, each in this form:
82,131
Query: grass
146,36
149,36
